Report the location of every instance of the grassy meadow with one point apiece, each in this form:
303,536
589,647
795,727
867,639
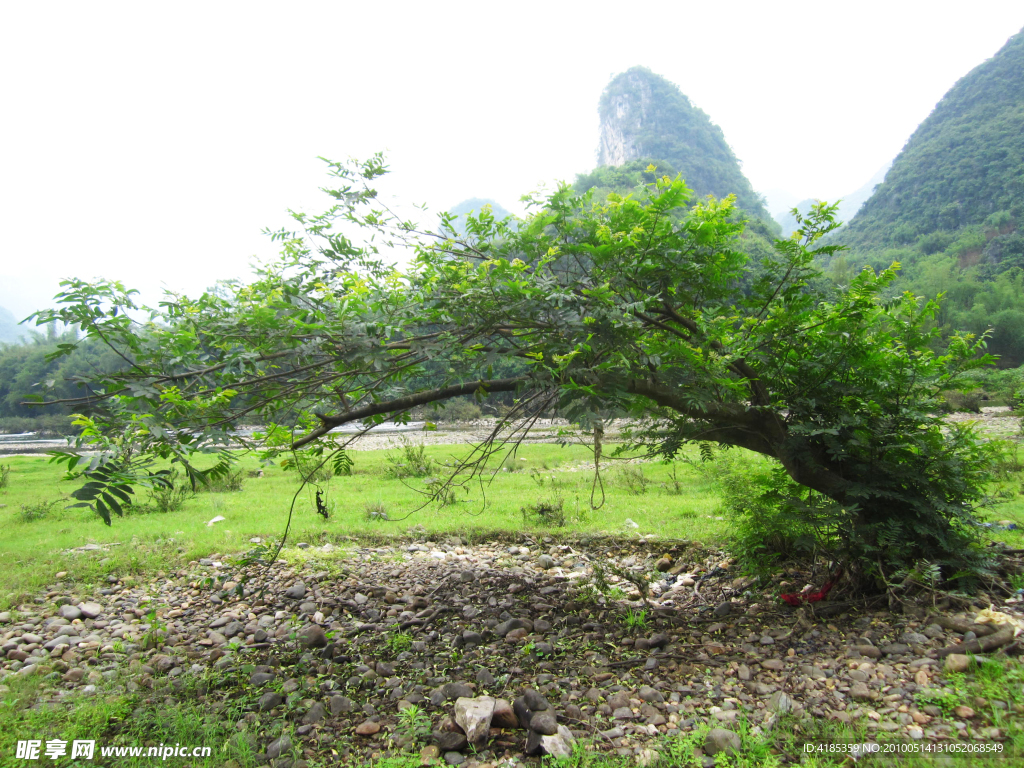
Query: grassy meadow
545,488
672,501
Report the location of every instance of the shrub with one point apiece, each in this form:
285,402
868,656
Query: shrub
633,478
167,496
962,402
547,512
41,509
409,459
458,409
228,483
776,519
375,512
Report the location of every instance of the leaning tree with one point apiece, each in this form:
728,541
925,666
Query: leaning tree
644,304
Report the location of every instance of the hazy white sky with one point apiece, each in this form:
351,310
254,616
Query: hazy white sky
151,142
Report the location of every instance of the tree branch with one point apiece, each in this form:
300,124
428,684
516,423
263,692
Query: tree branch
400,404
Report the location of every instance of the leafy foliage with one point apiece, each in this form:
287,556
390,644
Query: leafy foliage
641,304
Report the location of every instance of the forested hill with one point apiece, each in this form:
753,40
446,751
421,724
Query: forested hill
645,117
951,208
963,164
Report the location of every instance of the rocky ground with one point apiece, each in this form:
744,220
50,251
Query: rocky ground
486,639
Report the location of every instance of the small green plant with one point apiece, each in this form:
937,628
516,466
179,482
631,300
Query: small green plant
41,509
408,459
636,620
117,646
633,478
943,698
513,464
375,511
156,633
5,475
168,495
548,512
414,724
228,483
399,641
616,593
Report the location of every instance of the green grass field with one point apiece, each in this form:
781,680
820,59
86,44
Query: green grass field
671,501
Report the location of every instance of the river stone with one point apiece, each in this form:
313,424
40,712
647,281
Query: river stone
270,699
535,701
651,694
70,612
261,678
457,690
957,662
544,722
341,704
315,714
521,711
618,699
90,610
860,691
451,741
474,717
722,740
313,637
277,748
558,744
503,716
507,626
296,591
780,702
367,728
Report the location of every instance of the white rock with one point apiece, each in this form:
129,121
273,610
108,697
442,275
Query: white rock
474,716
217,519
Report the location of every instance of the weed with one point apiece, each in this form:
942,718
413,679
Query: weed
156,633
943,698
375,511
633,478
399,641
229,483
409,460
676,488
38,511
169,495
414,724
548,512
616,593
636,620
5,475
513,464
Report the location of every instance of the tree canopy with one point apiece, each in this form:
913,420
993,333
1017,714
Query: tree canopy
642,304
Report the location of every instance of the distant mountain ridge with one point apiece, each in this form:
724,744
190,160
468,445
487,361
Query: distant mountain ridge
849,204
643,115
10,331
